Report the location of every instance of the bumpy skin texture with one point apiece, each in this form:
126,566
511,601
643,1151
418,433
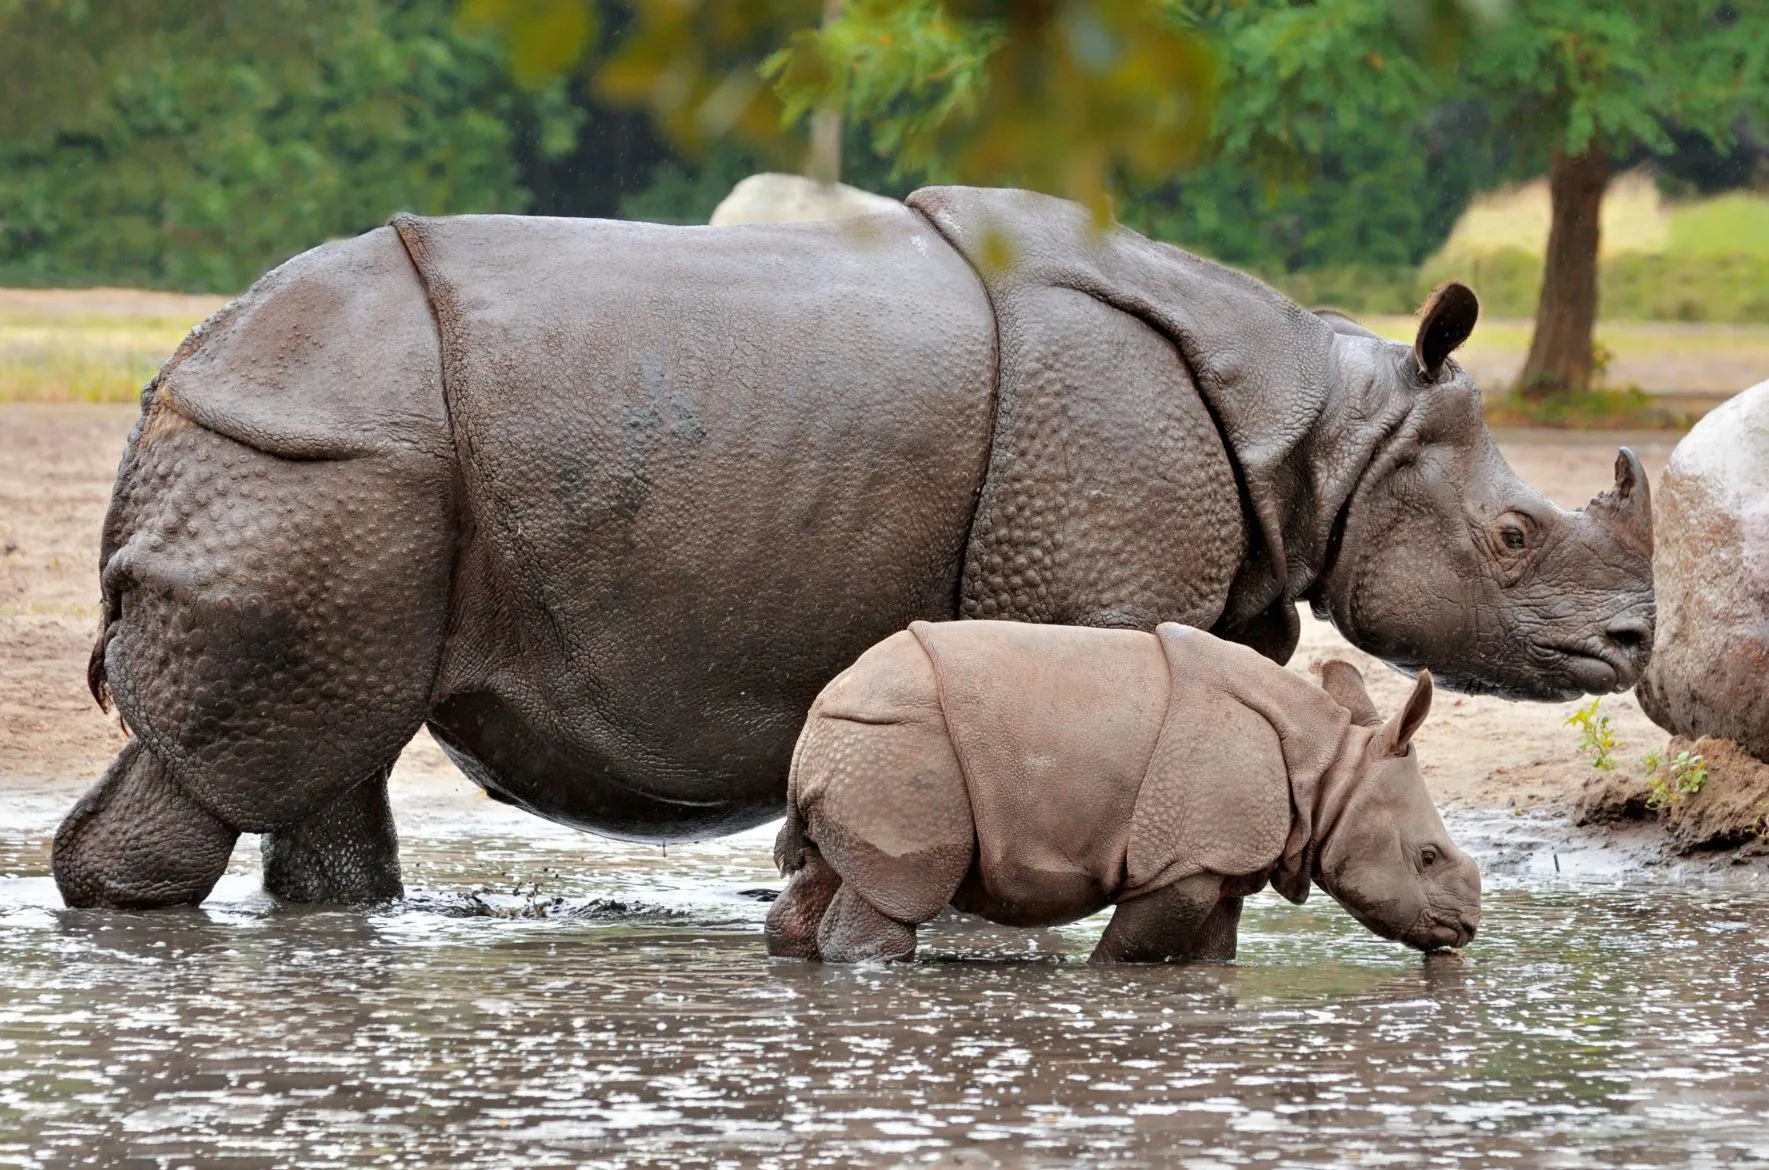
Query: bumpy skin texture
276,558
1035,774
607,504
704,471
136,840
1353,473
1710,663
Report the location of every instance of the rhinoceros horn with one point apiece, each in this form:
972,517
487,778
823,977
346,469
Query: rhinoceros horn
1626,509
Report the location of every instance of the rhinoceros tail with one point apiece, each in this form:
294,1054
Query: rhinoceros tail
789,846
95,679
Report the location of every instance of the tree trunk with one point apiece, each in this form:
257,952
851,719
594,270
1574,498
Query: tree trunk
1561,354
825,160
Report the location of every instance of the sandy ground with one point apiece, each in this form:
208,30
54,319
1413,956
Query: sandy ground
56,467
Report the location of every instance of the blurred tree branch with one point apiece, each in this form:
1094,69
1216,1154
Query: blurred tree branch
1062,95
1067,96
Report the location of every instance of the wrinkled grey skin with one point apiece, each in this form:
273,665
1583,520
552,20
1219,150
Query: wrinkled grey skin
605,505
1567,611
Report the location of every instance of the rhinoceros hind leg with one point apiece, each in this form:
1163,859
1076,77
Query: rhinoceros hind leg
345,853
791,929
136,841
853,930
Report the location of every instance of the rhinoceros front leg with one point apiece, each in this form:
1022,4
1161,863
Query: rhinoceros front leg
1219,937
345,853
1170,924
136,840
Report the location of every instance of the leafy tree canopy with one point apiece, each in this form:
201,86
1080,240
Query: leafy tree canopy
202,164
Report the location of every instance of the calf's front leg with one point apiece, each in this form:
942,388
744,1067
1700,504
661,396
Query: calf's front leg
1187,920
1219,936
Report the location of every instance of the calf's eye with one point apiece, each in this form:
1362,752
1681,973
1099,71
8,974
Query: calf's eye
1514,539
1428,856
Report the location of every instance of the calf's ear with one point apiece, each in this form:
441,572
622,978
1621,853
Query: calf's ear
1444,323
1400,730
1341,680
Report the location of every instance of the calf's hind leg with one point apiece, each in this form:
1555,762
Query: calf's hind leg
347,852
137,840
854,930
791,929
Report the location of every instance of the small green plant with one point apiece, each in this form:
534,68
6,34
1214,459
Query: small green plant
1669,781
1596,738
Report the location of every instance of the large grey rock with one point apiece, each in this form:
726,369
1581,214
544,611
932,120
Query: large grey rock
775,198
1709,673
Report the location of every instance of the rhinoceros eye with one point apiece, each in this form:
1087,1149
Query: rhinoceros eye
1514,539
1428,857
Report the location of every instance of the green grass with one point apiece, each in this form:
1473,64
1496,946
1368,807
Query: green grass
1729,225
1703,261
1628,409
54,349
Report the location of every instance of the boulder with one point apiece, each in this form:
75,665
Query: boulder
1709,674
777,198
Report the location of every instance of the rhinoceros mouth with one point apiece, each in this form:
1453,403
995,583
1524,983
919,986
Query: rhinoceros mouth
1597,671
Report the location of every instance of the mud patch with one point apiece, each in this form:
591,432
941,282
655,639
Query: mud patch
1730,810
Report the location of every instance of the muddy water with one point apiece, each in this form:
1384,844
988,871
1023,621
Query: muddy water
622,1013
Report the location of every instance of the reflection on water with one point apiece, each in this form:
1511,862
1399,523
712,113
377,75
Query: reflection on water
624,1013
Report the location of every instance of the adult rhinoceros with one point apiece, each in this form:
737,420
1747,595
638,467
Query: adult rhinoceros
606,504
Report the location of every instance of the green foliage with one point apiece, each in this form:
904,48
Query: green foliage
1596,737
1335,141
1064,97
58,58
199,172
1669,781
678,192
909,73
1567,75
1600,409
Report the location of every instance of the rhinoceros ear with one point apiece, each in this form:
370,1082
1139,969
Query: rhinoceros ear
1444,323
1341,680
1402,727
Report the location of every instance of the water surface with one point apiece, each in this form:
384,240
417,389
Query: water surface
546,999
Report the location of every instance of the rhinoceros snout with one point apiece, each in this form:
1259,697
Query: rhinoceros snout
1630,647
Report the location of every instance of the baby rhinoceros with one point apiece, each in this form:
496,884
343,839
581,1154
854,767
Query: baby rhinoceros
1035,774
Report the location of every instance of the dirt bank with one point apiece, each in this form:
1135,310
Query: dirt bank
56,468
